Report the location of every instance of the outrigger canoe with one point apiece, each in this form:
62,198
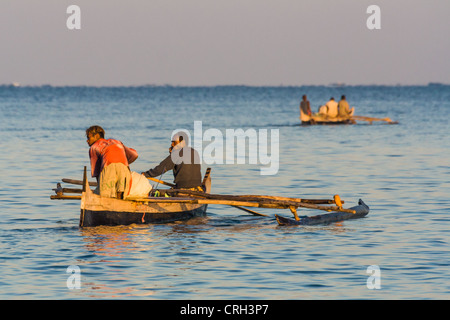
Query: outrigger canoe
317,118
186,204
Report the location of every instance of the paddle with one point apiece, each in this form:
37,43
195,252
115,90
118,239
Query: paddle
160,181
251,211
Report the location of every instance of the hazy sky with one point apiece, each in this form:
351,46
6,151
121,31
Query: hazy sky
224,42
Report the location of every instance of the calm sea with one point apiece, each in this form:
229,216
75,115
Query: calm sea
401,171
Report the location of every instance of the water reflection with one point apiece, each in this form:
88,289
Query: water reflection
115,241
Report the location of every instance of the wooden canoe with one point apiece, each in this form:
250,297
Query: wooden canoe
185,204
317,118
97,210
360,211
328,121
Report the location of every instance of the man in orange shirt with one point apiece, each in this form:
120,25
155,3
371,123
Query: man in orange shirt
110,161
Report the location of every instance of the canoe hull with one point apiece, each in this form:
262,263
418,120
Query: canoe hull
96,211
328,122
361,209
92,218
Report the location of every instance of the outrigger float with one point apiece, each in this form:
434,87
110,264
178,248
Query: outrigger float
181,204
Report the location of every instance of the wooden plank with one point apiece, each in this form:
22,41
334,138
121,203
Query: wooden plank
79,182
265,201
193,201
71,190
257,204
64,197
250,197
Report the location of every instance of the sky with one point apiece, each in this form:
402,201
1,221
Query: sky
224,42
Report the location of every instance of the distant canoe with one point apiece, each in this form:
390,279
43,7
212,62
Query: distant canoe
329,121
317,118
361,210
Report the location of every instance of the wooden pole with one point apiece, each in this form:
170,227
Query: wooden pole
240,203
370,119
260,201
251,211
79,182
250,197
230,197
64,197
160,181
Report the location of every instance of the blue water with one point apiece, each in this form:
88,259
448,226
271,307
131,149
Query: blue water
401,171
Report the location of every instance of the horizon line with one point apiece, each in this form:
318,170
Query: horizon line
336,85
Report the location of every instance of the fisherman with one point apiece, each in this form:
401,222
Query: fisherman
185,163
344,109
332,107
110,160
305,109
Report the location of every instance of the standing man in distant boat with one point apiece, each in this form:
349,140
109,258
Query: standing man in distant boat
344,109
332,107
185,163
305,109
110,160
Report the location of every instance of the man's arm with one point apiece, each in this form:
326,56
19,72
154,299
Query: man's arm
93,156
165,165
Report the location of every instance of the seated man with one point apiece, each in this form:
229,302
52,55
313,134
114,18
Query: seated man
332,108
185,163
344,108
110,161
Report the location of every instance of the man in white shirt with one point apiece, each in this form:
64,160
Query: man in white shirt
332,108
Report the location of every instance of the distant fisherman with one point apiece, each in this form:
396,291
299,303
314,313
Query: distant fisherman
305,109
110,161
344,109
332,108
